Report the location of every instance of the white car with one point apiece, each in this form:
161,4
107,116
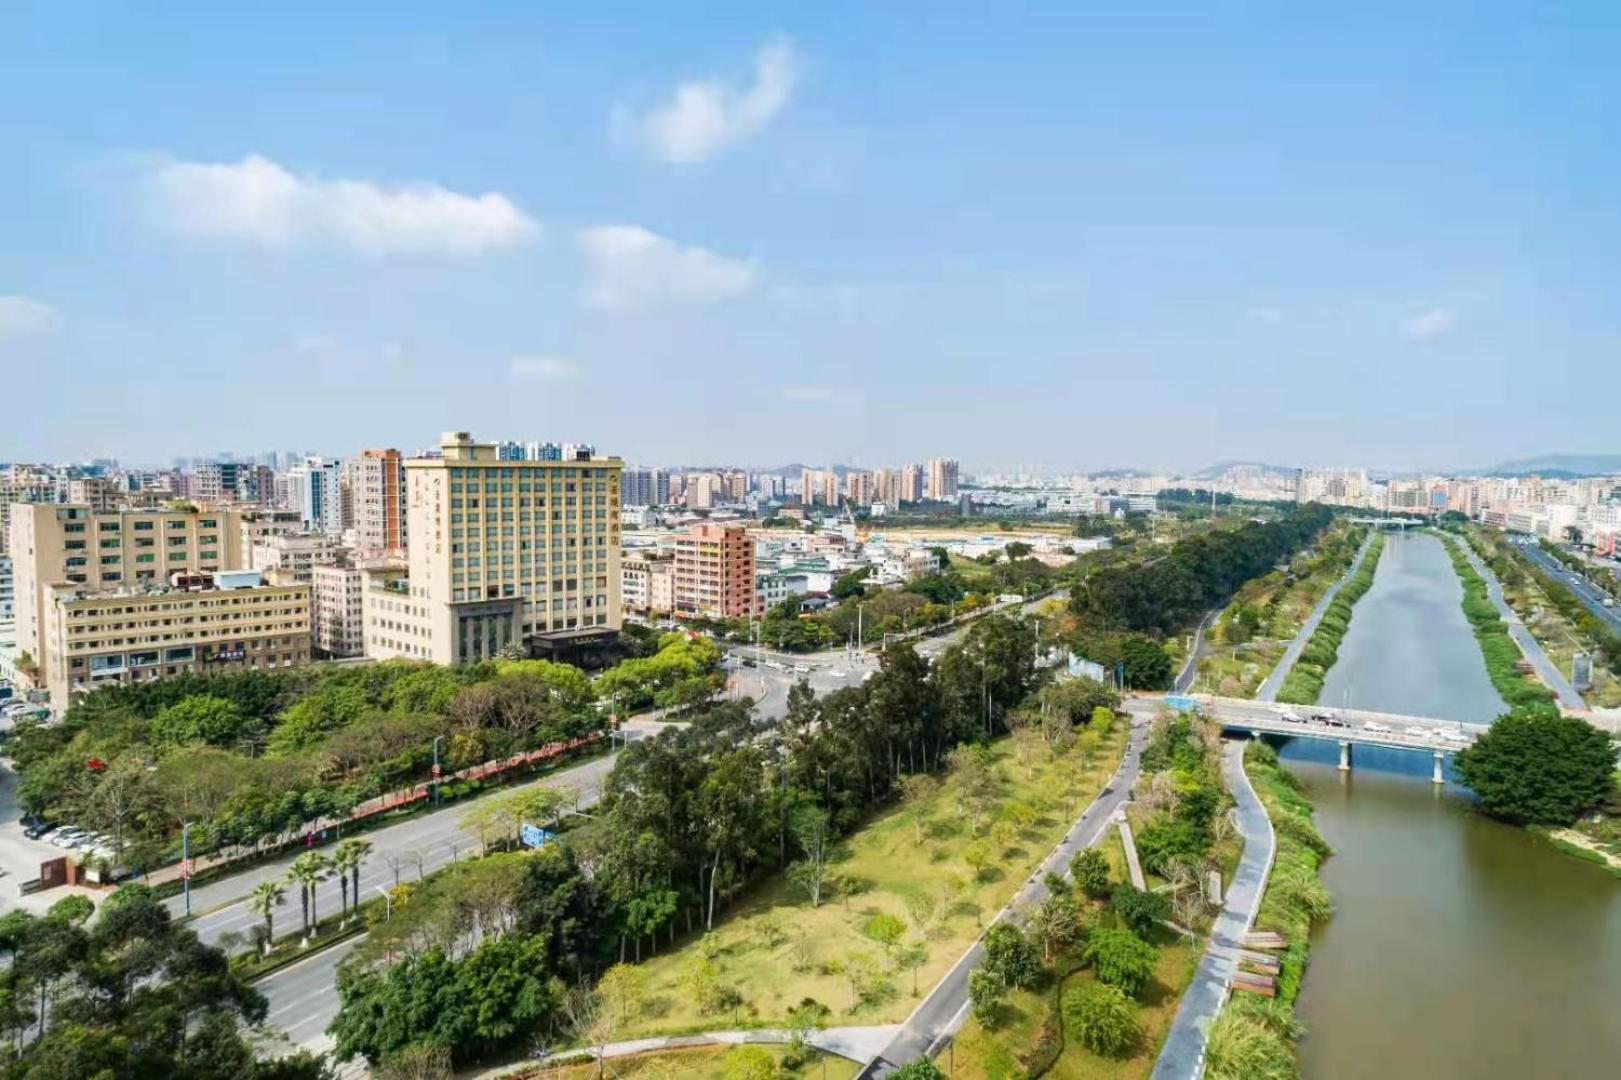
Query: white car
1422,732
68,837
838,673
1376,727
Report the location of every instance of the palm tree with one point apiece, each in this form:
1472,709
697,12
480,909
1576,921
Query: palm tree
267,897
347,860
308,871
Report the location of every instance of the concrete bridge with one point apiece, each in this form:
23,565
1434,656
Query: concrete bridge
1346,727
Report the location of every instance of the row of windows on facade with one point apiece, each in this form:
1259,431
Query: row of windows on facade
113,525
273,642
147,639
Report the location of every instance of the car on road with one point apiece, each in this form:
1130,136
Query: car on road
801,669
1422,732
1376,727
838,673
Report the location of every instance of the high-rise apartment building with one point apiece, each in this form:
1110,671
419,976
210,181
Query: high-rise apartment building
644,487
703,491
8,592
336,615
714,572
96,492
500,553
377,489
942,479
859,487
735,486
912,477
314,489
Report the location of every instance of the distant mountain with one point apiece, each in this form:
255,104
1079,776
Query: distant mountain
1119,474
1212,472
1557,466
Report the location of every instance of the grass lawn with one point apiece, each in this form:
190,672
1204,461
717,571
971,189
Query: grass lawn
774,950
700,1063
992,1054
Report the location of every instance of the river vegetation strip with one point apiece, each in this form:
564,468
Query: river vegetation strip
1254,1036
1305,679
1502,655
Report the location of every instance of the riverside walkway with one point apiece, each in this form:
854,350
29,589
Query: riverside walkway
1182,1055
1530,647
1274,682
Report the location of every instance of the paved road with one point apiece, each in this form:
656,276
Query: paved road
304,996
942,1012
1546,669
1590,596
1182,1055
400,852
20,857
1274,681
1190,668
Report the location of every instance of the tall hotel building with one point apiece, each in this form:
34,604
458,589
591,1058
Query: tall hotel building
502,553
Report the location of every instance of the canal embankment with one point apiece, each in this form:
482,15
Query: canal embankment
1301,672
1498,647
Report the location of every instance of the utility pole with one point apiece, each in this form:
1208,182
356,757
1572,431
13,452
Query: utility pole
436,739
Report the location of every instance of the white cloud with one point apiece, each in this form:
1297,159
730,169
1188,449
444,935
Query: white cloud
1430,324
809,395
256,201
543,369
21,315
628,266
704,116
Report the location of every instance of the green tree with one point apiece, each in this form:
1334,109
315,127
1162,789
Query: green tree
921,1069
748,1062
1090,869
201,718
1139,909
986,992
1533,767
1056,923
1103,1017
307,871
1102,720
1121,959
886,929
1010,955
266,897
347,861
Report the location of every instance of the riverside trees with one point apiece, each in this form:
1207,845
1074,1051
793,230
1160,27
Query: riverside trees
689,819
1534,767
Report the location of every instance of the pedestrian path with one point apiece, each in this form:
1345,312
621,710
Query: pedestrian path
1530,647
1182,1056
1274,682
1134,866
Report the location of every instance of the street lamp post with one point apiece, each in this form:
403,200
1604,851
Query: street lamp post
388,903
185,863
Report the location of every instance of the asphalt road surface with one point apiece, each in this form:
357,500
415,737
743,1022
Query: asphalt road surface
1590,596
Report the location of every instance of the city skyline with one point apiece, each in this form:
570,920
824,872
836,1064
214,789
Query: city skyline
1074,239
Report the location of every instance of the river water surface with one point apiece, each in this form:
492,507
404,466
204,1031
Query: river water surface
1459,947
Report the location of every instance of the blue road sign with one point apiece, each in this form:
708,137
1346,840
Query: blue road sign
534,836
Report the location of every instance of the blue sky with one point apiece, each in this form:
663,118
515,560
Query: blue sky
1055,234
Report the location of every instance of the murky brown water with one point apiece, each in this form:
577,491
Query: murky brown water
1459,947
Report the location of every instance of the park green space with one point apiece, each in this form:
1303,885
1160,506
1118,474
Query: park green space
697,1063
775,949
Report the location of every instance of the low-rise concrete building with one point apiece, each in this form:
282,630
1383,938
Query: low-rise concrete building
198,623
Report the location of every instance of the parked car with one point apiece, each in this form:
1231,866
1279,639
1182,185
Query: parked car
68,837
39,830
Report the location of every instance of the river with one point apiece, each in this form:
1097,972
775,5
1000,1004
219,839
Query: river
1459,947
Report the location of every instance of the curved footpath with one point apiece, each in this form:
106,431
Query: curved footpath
1182,1056
1530,647
1274,682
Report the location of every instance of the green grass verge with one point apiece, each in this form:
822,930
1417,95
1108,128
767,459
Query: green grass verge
1515,687
1305,680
